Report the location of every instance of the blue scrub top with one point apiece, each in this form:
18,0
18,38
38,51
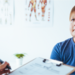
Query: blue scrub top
65,52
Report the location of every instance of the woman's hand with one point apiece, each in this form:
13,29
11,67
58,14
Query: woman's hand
3,68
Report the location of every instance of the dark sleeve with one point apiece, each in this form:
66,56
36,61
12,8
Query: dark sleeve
56,52
1,61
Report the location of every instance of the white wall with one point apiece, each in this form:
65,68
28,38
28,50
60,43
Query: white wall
35,41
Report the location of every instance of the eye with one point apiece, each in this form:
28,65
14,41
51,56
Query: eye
72,19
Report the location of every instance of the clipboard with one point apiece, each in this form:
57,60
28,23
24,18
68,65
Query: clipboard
37,66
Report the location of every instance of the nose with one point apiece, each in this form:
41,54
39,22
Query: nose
74,23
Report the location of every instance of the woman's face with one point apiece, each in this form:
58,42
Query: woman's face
72,24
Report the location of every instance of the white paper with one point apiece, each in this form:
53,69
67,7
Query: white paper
38,67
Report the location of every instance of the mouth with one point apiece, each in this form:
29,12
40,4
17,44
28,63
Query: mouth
74,30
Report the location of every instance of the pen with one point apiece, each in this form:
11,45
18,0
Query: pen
6,66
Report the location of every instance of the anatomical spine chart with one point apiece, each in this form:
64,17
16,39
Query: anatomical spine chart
39,12
6,12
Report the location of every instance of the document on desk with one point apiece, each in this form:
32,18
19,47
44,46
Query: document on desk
38,67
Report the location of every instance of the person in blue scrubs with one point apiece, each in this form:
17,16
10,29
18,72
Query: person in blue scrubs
65,51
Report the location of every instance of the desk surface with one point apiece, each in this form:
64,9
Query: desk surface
72,70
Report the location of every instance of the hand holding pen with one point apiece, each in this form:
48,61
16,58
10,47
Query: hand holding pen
3,68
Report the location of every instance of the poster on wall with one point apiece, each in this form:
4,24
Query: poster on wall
39,12
6,12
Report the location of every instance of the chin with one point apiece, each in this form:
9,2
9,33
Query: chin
73,36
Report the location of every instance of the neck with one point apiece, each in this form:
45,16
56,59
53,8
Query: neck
74,39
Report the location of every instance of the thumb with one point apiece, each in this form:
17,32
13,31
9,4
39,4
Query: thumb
2,66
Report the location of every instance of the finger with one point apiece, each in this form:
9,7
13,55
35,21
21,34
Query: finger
7,63
1,72
0,62
2,66
6,71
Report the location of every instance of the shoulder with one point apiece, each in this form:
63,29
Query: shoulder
65,43
62,44
59,49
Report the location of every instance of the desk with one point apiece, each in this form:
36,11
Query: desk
72,70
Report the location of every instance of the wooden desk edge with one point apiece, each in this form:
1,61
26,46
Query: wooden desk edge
72,70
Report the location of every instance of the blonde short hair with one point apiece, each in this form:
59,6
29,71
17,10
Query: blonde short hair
72,10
